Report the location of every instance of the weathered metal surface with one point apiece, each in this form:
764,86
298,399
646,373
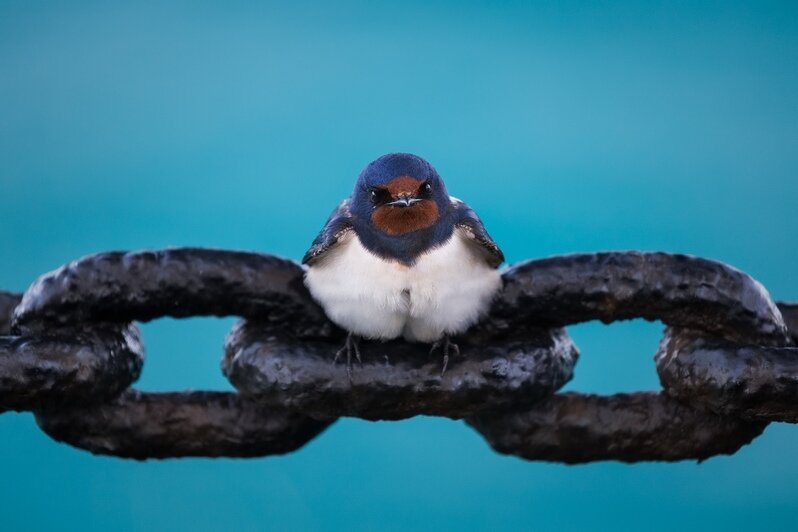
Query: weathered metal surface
81,365
398,379
790,313
679,290
180,282
728,350
753,382
169,425
575,428
8,301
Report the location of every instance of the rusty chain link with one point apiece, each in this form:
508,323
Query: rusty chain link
69,351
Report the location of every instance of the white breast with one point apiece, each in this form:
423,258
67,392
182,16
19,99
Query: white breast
444,292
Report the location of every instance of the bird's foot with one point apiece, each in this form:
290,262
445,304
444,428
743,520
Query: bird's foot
446,345
352,345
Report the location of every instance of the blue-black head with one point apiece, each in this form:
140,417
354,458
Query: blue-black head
400,207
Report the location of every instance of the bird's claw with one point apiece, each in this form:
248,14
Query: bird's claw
446,345
351,345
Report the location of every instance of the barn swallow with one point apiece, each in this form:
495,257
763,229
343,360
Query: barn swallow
402,258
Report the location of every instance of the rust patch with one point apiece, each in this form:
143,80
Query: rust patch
401,220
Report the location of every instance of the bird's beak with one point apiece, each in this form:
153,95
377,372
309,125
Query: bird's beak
404,202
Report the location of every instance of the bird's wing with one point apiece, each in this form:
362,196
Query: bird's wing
468,222
338,224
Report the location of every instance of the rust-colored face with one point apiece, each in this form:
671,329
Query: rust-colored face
403,206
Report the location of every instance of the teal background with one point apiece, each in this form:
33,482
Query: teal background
569,126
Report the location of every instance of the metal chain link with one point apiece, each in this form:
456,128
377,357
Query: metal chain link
69,352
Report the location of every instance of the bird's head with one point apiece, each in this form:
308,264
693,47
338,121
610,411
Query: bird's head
399,193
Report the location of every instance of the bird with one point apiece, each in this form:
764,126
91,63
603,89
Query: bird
401,258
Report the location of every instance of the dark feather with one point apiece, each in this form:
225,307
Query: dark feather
467,220
338,224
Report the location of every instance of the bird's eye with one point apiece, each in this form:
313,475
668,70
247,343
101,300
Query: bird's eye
379,196
428,187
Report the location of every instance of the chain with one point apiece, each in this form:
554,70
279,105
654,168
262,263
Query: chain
69,352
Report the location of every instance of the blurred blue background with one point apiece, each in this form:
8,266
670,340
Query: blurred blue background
569,126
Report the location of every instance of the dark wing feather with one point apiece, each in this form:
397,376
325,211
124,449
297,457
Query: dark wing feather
338,224
468,221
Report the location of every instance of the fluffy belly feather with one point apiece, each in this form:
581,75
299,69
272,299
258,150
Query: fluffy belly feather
444,292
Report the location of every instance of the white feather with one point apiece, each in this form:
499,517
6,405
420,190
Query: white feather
447,290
